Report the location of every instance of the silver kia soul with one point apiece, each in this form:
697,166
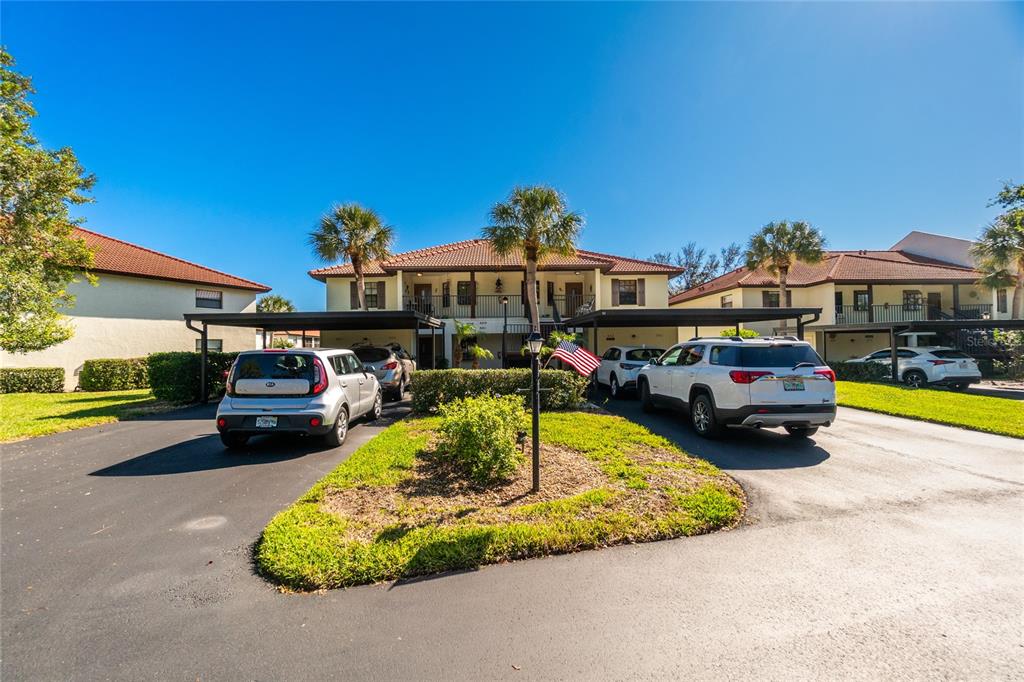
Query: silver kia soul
304,391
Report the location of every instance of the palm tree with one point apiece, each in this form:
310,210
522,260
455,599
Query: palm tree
999,251
478,353
776,246
272,303
352,234
534,222
462,331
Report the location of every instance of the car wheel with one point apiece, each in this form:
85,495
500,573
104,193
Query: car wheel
336,436
614,388
399,392
234,441
702,416
801,431
378,407
915,379
646,402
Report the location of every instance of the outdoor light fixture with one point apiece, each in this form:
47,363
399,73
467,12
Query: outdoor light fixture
504,300
534,341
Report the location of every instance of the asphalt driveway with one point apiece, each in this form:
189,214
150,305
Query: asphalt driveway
883,547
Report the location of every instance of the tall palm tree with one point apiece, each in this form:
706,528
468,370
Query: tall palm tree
352,234
999,251
776,246
535,222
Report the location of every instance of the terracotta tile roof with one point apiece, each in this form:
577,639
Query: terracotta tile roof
122,258
478,254
844,267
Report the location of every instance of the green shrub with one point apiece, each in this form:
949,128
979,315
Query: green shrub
115,374
860,371
31,380
561,390
479,435
744,333
174,376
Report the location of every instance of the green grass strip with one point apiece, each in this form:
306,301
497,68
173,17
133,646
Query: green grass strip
26,415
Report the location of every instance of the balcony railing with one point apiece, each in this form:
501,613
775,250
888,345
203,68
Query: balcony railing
853,314
490,305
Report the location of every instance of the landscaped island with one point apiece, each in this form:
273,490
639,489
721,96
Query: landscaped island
396,508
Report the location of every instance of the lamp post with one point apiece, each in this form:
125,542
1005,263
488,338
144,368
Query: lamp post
504,329
534,343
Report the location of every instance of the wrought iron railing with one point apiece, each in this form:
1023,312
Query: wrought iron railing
854,314
469,307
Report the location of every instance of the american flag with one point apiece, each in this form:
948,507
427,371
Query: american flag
581,359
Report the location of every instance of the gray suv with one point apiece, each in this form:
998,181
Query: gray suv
391,364
304,391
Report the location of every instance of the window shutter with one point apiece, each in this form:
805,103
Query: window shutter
382,302
641,298
353,299
615,292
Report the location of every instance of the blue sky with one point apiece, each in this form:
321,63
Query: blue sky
220,132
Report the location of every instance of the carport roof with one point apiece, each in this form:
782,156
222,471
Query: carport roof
332,320
685,317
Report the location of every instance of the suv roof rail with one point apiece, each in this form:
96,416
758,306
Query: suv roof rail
722,338
780,338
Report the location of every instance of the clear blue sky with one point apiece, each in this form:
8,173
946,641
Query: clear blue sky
220,132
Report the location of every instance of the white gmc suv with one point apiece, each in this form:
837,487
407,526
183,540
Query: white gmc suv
765,382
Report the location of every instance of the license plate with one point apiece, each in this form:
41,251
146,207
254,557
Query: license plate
793,384
266,422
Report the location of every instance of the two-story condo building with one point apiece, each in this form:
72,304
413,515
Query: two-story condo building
857,289
467,281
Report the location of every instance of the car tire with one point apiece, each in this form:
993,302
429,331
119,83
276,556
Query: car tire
336,436
378,407
702,417
915,378
646,401
399,392
234,441
613,388
801,431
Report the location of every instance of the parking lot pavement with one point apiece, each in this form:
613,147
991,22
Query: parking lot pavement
881,548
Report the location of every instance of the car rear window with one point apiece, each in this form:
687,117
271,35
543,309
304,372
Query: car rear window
274,366
372,354
951,354
764,356
644,354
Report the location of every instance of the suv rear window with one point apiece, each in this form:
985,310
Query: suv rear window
644,354
764,356
951,354
274,366
372,354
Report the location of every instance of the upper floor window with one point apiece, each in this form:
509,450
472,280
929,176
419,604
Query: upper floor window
464,292
1001,301
726,301
372,295
374,292
628,292
861,300
207,298
769,299
912,299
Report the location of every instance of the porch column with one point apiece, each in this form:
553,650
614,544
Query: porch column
303,339
956,300
871,303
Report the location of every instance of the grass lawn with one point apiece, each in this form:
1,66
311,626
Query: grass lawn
25,415
978,412
394,509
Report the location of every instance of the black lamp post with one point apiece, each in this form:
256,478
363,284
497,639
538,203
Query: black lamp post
504,329
534,343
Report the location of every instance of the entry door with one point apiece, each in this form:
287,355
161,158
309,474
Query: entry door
421,292
573,297
425,352
934,305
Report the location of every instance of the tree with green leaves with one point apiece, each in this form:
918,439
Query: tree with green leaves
776,246
350,233
272,303
699,265
533,222
477,353
999,251
39,252
461,332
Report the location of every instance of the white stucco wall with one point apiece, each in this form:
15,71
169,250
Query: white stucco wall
127,317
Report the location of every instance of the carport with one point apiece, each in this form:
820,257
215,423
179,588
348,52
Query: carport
690,317
349,320
895,329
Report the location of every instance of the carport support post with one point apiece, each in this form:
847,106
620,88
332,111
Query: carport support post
203,393
800,330
893,355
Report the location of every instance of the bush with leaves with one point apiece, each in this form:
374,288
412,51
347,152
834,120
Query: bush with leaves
1011,342
31,380
480,436
744,333
174,376
431,388
860,371
114,374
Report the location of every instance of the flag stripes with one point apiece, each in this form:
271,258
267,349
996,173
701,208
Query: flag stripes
582,360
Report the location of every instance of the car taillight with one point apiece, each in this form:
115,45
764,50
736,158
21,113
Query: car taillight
941,362
314,421
221,422
743,376
828,373
319,377
391,365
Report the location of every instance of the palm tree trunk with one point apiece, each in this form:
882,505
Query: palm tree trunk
531,289
456,351
357,267
783,289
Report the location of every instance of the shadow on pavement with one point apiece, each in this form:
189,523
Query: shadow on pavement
738,449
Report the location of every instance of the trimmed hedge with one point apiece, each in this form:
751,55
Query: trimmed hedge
174,376
860,371
114,374
32,380
560,389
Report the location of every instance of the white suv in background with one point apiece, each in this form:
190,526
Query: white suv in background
930,366
301,391
621,364
767,382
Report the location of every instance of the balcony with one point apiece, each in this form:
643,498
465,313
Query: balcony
853,314
490,305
